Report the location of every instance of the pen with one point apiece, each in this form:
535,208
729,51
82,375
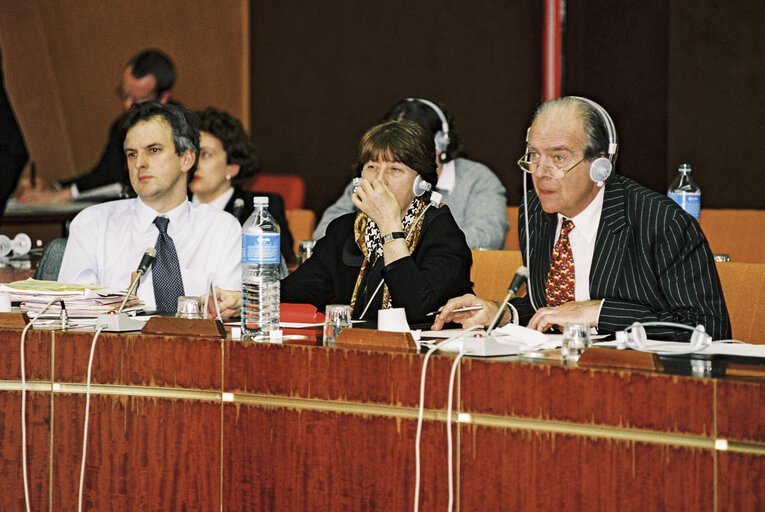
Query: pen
474,307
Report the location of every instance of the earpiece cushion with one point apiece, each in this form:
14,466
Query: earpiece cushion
600,170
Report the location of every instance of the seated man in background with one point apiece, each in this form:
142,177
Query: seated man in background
473,192
196,244
148,76
228,159
606,255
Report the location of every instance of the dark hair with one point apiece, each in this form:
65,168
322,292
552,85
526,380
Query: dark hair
239,147
183,122
595,132
406,142
419,112
156,63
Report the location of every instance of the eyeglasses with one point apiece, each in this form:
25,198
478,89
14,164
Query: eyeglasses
528,165
122,95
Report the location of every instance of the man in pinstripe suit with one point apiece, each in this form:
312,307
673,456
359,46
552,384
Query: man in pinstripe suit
637,255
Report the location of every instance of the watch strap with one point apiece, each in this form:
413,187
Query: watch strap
392,236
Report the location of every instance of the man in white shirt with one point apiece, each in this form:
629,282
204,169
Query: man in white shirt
106,241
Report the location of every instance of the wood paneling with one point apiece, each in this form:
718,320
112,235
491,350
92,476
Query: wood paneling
310,428
79,49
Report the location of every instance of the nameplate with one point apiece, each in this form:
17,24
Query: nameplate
13,320
614,358
171,326
375,340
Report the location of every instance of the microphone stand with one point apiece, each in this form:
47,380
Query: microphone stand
119,321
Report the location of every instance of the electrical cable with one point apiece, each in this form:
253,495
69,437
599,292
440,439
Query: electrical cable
420,412
449,450
24,401
87,413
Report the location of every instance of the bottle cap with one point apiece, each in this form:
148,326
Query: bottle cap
260,201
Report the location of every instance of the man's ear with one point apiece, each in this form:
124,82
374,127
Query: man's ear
164,97
188,159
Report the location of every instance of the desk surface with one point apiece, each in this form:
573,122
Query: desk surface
220,424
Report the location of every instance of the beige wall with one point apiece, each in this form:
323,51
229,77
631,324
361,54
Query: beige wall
63,61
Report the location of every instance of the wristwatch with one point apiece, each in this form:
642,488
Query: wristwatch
392,236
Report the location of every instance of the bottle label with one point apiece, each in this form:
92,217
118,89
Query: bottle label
262,248
690,202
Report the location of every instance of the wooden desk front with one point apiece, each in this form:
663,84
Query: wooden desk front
191,424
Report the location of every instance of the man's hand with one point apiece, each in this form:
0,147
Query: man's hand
483,316
229,302
581,312
41,193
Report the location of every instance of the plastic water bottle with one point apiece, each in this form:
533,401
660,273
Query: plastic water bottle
685,192
260,273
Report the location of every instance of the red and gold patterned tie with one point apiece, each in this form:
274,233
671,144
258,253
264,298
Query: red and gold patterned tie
560,277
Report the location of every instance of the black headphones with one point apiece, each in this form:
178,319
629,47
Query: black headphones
635,338
442,136
602,167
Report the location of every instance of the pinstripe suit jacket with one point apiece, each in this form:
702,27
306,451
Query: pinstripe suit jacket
651,263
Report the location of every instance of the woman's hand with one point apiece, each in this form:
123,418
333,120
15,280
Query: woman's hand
376,200
483,316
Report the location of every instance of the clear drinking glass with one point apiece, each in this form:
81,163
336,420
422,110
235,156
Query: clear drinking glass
305,249
336,318
576,338
189,307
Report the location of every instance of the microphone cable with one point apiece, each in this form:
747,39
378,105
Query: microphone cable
87,413
421,411
24,400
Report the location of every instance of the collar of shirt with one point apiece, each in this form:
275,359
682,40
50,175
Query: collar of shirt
219,202
178,216
582,239
447,178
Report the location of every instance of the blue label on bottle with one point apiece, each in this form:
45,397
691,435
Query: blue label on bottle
262,248
690,202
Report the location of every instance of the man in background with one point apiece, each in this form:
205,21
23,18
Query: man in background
148,76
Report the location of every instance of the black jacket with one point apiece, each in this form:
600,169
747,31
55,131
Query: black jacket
437,270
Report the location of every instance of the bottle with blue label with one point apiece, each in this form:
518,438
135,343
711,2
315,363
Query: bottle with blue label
685,192
260,273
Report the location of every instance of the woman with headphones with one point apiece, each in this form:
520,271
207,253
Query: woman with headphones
397,250
473,192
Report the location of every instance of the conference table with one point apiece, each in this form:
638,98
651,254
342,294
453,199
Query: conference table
187,423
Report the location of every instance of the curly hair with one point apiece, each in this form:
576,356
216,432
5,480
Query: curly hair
240,148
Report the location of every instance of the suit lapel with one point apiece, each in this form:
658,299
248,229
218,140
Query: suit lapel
542,235
611,242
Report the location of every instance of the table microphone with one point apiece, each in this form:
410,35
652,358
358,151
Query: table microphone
146,261
237,209
520,276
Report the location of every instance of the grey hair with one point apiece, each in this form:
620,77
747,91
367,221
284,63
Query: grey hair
595,132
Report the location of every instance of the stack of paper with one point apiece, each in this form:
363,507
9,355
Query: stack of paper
79,300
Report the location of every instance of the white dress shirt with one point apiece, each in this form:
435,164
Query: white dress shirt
219,202
582,239
106,243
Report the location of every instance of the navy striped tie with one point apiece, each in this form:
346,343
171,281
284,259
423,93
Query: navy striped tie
166,272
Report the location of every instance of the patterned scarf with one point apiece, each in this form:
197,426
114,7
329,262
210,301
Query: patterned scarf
369,240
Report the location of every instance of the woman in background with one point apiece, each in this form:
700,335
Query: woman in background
228,158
